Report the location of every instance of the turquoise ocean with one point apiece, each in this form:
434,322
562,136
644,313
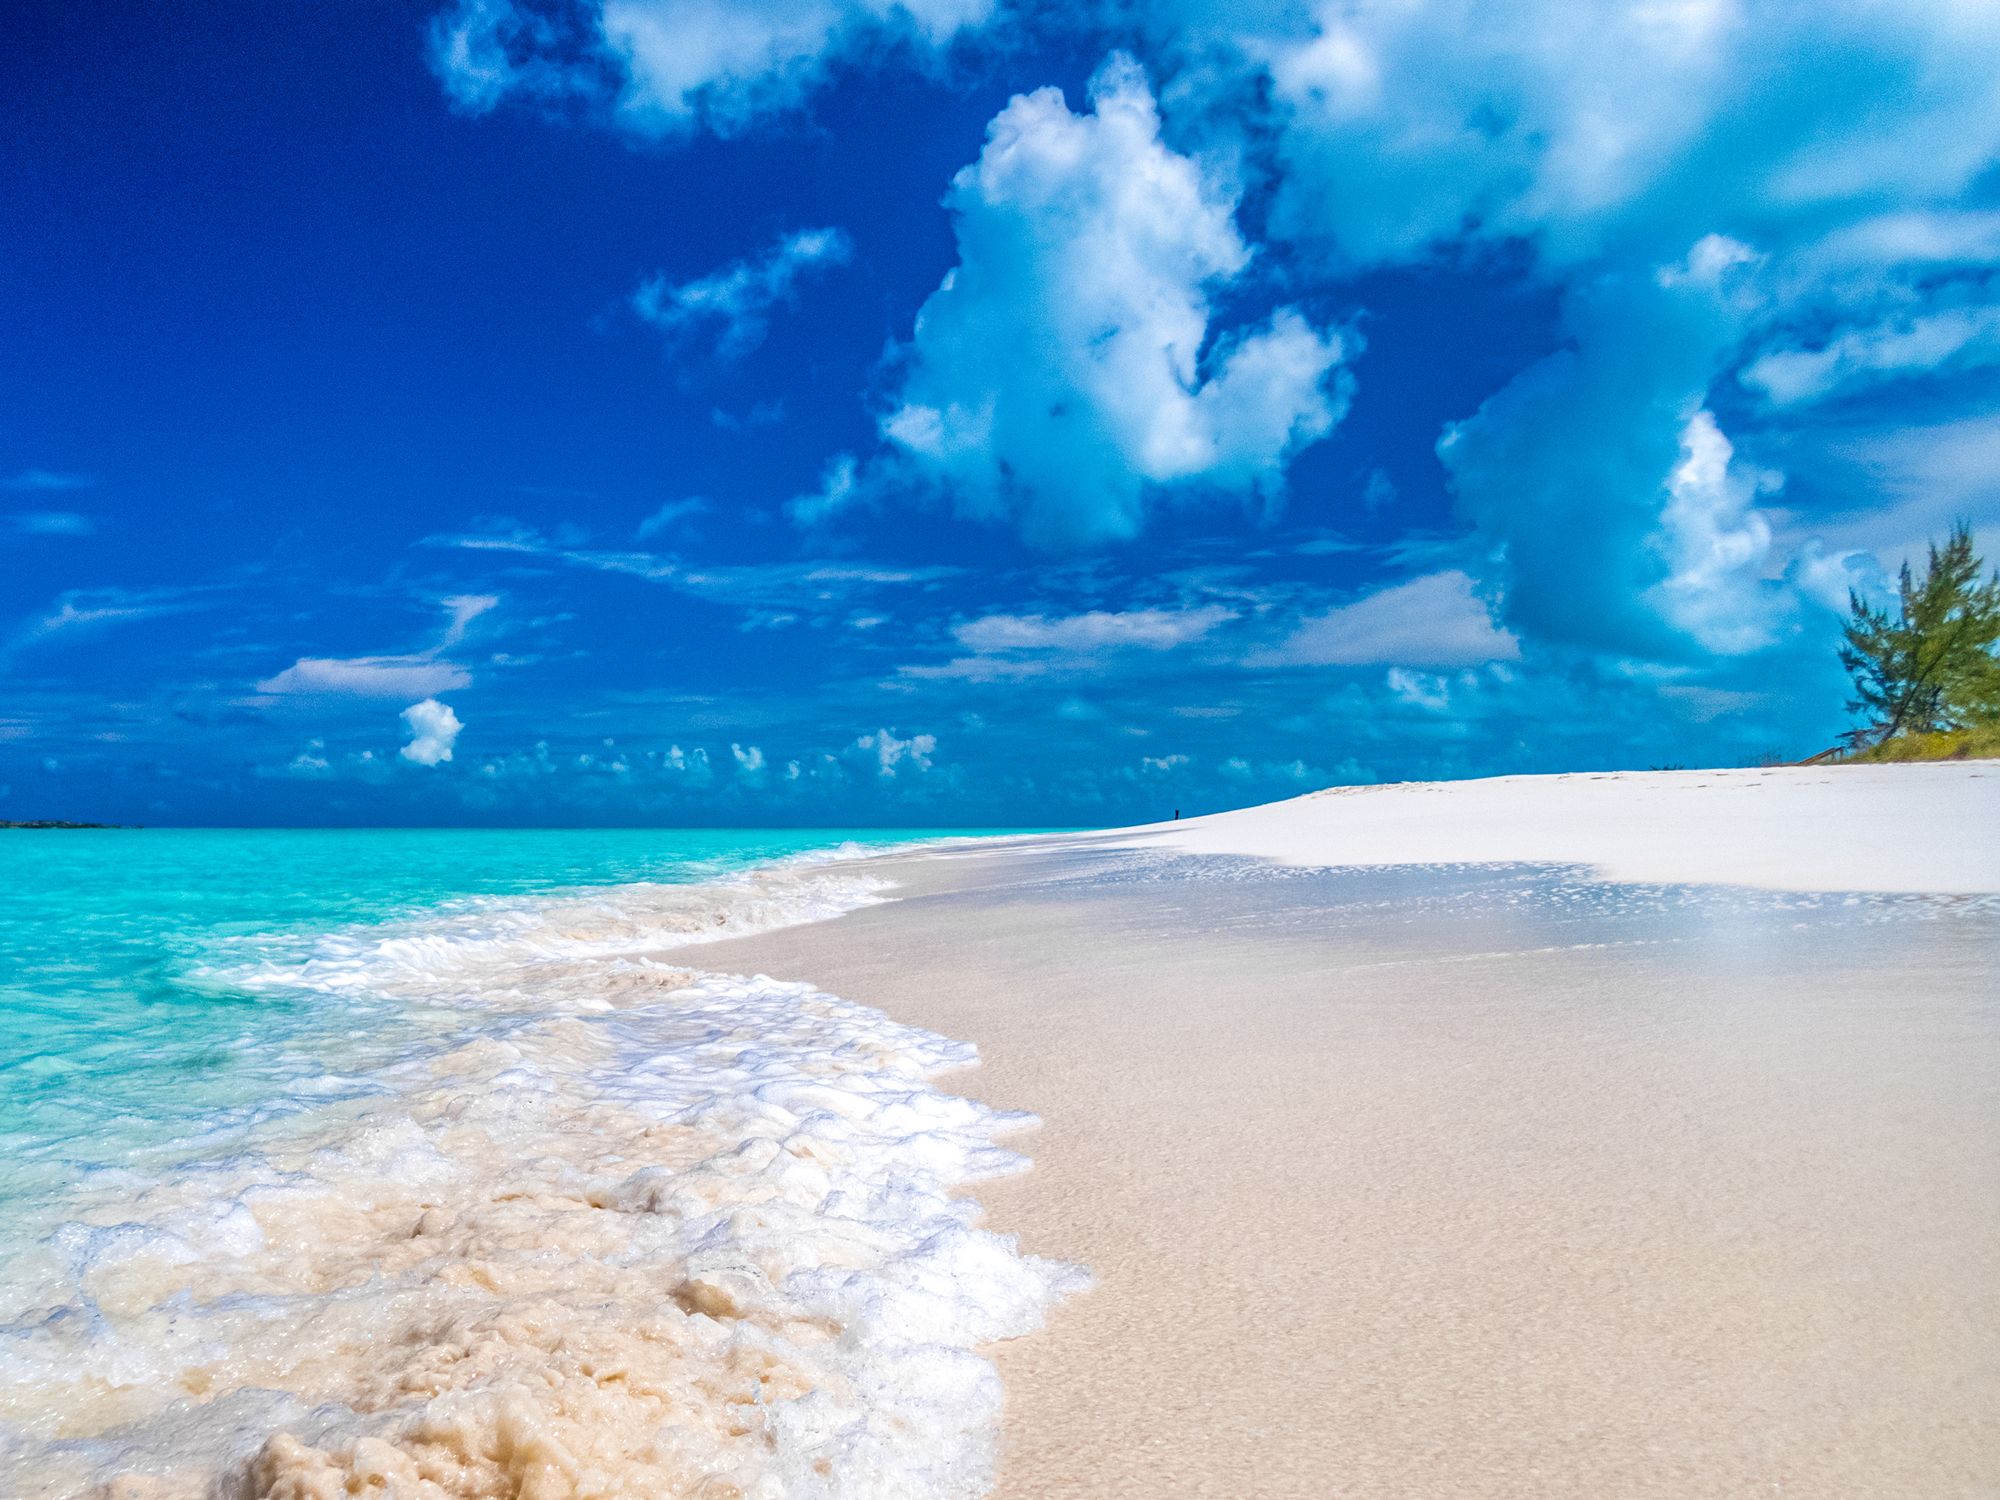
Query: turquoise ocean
143,972
435,1164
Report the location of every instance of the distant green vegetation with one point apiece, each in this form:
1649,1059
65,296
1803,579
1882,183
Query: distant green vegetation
1982,743
1926,676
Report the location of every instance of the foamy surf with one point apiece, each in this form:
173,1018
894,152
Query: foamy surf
583,1224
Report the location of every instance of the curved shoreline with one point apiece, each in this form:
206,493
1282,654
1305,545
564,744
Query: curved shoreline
604,1226
1476,1180
1407,1174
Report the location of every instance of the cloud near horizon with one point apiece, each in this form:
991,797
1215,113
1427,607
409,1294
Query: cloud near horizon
890,754
434,730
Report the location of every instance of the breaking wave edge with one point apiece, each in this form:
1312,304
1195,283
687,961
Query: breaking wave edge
592,1225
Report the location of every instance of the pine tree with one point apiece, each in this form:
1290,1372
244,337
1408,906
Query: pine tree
1929,667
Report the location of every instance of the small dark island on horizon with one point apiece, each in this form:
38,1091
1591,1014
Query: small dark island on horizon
55,823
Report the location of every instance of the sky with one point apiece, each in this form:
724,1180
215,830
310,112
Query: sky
956,412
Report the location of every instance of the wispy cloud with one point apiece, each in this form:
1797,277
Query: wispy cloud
416,674
1434,621
823,586
1098,630
51,523
673,515
762,414
975,669
463,610
367,677
1008,647
840,490
81,610
44,480
736,301
1953,338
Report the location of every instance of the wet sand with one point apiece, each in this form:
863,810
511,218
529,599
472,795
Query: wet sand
1469,1182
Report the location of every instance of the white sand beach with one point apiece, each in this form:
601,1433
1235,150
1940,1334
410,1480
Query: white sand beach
613,607
1580,1136
1623,1135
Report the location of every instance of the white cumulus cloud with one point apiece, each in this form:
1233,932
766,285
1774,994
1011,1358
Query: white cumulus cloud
669,67
1583,125
1827,163
1067,367
1425,690
890,753
434,729
1715,544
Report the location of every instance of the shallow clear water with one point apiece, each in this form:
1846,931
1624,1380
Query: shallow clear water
431,1159
124,1021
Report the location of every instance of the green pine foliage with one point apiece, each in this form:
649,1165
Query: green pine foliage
1928,667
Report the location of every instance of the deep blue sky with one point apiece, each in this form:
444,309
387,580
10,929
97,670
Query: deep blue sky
419,413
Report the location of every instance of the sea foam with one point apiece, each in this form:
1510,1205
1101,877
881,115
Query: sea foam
590,1225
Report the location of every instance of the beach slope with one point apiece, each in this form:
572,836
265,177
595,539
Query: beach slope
1574,1136
1929,828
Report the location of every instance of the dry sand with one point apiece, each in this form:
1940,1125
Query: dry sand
1471,1182
1933,828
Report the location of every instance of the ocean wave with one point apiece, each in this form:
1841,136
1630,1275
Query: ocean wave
614,1229
493,947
